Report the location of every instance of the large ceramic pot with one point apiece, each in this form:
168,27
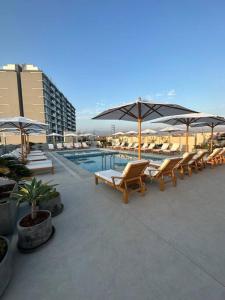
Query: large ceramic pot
8,214
5,266
31,237
54,205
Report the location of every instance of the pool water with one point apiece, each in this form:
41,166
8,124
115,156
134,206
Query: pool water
99,160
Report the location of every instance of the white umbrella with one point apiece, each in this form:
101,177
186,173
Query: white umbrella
212,123
187,119
54,135
131,132
71,134
118,133
140,111
22,124
149,131
170,129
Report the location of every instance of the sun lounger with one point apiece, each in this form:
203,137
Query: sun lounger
36,152
213,158
150,147
184,166
131,176
128,147
59,146
39,166
144,147
163,148
174,149
85,145
135,146
221,157
51,147
77,145
197,162
68,145
166,169
122,146
99,144
36,157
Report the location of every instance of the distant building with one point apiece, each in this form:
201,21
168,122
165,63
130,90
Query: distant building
25,90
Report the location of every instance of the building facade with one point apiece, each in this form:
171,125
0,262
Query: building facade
25,90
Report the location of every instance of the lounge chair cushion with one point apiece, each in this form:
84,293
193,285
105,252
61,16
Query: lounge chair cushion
107,175
39,164
37,158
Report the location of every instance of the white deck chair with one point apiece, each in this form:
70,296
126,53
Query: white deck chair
85,145
164,147
131,175
39,166
51,147
78,145
175,148
59,146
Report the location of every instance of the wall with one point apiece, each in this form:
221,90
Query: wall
9,100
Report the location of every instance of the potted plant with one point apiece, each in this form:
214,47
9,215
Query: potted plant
35,228
53,203
5,263
8,208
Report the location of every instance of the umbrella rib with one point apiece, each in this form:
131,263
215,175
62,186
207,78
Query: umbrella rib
127,112
152,110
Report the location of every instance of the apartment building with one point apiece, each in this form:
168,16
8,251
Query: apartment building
26,90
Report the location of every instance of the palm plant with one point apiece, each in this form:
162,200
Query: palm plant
13,168
34,193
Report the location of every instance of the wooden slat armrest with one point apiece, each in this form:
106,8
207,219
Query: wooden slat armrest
115,177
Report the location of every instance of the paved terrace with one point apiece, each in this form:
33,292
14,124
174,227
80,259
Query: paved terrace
165,245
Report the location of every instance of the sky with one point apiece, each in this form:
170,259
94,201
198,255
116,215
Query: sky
102,53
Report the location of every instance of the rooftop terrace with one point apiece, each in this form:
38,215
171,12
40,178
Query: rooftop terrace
165,245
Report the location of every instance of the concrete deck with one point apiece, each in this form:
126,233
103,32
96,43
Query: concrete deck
165,245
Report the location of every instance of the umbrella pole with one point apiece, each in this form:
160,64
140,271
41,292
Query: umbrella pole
28,144
139,138
211,144
187,135
22,150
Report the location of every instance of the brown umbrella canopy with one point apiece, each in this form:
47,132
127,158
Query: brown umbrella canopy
140,111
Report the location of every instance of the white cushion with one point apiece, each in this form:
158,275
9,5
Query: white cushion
107,175
36,158
39,164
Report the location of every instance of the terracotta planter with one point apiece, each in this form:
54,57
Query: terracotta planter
34,236
5,268
8,214
54,205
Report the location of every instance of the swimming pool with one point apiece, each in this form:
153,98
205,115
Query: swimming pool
99,160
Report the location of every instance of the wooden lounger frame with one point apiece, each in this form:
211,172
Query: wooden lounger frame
184,167
130,178
166,169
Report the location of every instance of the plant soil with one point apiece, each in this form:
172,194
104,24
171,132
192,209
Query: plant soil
3,249
28,221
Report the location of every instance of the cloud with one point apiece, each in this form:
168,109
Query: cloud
171,93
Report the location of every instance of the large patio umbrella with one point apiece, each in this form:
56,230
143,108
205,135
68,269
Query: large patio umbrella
21,124
118,133
140,111
54,135
187,119
72,134
149,131
171,129
212,123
